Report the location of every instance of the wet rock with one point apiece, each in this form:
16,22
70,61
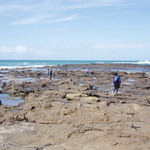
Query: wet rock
1,90
147,87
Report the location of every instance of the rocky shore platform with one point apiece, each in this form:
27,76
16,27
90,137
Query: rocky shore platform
74,111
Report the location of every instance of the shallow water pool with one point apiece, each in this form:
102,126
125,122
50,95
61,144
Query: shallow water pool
131,80
10,101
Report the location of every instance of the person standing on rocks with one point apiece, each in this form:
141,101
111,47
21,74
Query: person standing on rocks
87,72
50,73
116,83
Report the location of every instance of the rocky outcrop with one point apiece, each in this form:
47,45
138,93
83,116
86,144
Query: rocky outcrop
77,112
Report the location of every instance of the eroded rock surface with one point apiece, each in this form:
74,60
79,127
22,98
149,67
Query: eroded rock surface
77,112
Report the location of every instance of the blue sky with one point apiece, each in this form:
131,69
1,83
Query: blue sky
75,29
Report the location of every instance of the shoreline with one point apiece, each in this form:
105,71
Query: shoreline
93,65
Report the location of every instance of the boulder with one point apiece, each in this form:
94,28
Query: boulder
73,96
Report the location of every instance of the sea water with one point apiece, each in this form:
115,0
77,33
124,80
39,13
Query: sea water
42,63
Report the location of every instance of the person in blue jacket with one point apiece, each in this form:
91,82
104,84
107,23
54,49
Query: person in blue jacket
116,83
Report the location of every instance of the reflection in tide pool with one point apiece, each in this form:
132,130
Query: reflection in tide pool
127,83
21,79
131,80
10,101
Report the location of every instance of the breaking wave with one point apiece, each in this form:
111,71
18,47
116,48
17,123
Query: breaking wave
146,62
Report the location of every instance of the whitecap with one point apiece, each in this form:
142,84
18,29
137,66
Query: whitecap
144,62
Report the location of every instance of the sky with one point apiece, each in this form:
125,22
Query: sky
75,29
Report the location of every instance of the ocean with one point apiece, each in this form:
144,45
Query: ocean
41,63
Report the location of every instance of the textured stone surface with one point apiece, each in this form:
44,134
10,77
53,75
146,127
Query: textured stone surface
76,112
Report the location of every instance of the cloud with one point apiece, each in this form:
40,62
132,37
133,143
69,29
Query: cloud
20,49
31,5
41,19
122,45
69,18
30,20
22,10
80,4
